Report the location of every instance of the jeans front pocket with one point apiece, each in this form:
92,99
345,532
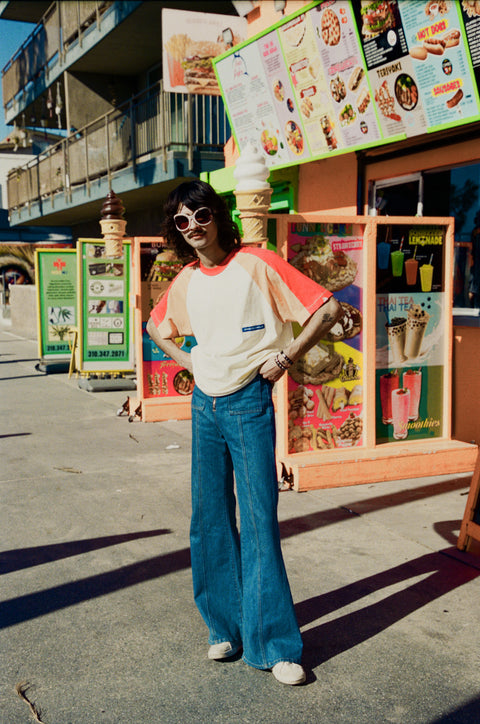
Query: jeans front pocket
199,400
250,400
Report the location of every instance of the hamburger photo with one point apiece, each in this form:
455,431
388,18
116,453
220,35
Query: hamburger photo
377,17
199,76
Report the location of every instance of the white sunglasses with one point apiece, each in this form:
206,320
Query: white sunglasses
202,216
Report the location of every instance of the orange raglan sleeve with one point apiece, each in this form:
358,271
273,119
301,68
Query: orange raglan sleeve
170,315
294,297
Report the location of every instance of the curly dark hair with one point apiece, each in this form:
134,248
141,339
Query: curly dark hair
195,194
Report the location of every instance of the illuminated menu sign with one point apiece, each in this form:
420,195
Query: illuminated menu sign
340,76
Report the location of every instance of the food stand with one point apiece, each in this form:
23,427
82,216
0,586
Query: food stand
372,402
163,387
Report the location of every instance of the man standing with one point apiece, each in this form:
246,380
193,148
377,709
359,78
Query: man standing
239,303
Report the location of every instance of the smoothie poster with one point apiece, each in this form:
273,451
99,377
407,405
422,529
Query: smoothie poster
338,76
325,386
410,328
56,275
106,318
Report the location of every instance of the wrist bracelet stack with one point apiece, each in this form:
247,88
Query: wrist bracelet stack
283,363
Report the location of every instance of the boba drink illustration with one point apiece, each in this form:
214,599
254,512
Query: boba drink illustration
412,380
396,339
388,382
417,321
400,410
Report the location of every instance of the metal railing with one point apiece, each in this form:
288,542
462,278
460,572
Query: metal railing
154,122
63,24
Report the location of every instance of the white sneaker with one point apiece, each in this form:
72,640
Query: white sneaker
288,673
221,651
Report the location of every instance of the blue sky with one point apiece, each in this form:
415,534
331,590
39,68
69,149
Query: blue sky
12,35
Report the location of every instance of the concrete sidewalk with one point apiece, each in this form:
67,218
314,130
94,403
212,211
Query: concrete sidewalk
96,609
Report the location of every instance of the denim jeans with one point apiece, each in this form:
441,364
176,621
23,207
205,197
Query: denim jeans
239,579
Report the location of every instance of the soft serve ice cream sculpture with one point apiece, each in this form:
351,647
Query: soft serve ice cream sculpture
113,225
253,193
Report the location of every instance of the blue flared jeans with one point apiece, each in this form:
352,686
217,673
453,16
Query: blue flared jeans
239,579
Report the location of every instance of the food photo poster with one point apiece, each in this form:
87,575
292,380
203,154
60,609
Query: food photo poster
325,386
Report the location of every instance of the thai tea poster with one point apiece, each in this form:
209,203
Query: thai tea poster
325,386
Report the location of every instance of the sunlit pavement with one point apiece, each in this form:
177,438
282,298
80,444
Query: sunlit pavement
97,616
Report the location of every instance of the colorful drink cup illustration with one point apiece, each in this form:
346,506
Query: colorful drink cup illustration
411,270
383,254
388,383
417,321
397,263
412,380
400,410
396,339
426,277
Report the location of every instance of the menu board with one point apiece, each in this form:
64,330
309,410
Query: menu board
410,327
106,324
339,76
56,278
325,386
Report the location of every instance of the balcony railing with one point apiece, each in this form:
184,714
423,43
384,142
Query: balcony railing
154,123
63,24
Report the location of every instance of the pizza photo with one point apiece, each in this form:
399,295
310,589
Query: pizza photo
331,32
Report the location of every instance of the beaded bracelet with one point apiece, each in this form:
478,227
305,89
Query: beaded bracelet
280,365
287,359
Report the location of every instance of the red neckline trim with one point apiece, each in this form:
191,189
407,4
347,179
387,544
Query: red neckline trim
213,270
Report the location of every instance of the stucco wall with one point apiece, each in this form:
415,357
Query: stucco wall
23,310
466,349
329,185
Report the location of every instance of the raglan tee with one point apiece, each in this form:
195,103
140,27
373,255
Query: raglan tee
239,312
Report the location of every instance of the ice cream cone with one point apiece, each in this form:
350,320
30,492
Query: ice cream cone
253,206
113,231
253,194
113,225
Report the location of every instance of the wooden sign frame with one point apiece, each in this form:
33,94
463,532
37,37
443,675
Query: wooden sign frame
470,528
